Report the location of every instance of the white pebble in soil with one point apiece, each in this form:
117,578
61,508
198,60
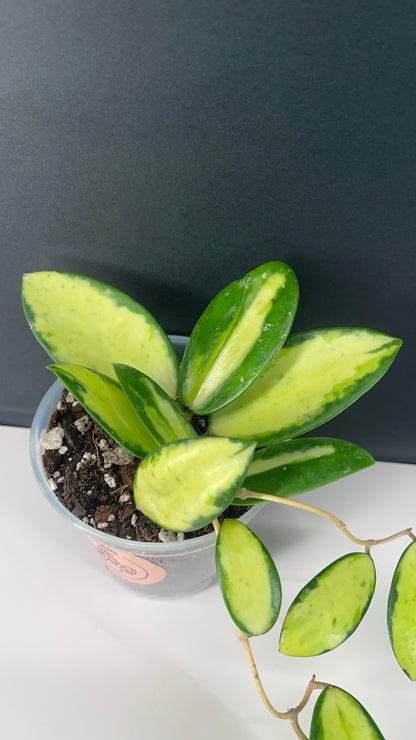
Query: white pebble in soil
110,480
164,535
83,424
53,439
117,456
89,457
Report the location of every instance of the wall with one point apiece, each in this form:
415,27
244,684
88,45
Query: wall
168,147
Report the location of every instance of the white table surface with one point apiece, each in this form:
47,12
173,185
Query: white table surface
84,657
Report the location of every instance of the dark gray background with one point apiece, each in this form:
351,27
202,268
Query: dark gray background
168,147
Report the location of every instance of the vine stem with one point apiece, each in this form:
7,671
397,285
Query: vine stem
290,714
244,493
215,523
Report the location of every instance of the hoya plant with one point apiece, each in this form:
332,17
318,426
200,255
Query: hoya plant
259,388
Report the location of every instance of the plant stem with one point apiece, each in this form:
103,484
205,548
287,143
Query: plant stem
297,728
244,494
244,639
215,523
291,714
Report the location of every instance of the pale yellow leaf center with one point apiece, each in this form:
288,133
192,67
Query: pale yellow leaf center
244,336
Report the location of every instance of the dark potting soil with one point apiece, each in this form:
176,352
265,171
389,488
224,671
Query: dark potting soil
92,476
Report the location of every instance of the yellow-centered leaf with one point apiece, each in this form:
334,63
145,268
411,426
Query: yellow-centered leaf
330,607
185,485
248,578
316,375
401,612
85,322
339,716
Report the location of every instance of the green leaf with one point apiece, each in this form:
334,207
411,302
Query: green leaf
160,415
330,607
105,401
85,322
248,578
237,336
401,612
314,377
339,716
300,465
185,485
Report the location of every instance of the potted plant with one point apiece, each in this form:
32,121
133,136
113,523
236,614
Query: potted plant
223,428
149,560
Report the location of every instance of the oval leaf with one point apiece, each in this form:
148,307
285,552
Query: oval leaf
330,607
339,716
401,612
248,578
158,413
85,322
105,401
184,485
237,336
300,465
315,376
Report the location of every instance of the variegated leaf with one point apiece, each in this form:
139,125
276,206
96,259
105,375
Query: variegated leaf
105,401
401,612
85,322
248,578
185,485
300,465
339,716
330,607
237,336
160,415
314,377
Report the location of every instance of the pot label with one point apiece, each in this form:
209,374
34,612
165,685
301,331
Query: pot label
128,566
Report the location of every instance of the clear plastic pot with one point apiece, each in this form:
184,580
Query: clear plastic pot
158,570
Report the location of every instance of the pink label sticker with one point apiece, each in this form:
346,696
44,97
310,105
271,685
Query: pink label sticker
128,566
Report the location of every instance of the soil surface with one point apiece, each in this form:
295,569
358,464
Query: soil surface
92,476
